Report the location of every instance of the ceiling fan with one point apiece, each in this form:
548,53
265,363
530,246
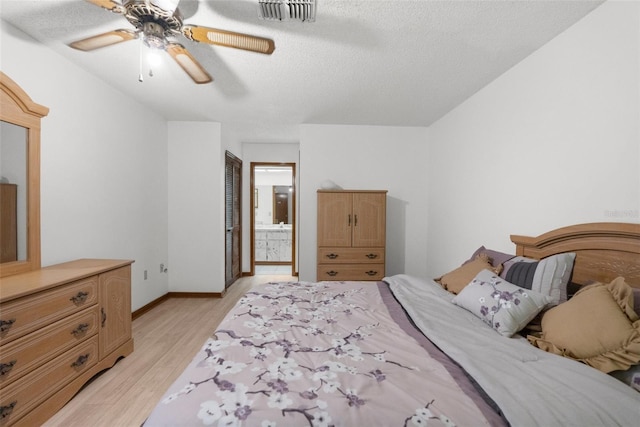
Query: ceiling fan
157,21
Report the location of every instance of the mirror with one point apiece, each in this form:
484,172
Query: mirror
20,179
13,192
273,192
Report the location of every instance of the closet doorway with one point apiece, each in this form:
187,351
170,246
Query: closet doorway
233,218
273,223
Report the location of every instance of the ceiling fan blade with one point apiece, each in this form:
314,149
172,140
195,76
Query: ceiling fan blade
188,63
229,39
109,5
105,39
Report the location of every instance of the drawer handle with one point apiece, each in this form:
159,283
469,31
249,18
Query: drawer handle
5,325
104,316
81,329
81,360
372,256
332,273
371,273
79,298
332,256
6,367
6,410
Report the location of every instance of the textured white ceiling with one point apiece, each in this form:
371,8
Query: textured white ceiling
375,62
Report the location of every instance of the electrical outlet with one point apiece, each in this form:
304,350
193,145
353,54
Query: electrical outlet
145,275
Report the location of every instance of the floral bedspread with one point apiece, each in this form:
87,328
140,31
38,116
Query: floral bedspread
314,354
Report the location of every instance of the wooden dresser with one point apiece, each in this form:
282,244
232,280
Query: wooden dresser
59,326
351,234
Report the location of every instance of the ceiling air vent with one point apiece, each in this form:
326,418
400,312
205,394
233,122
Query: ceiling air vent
285,10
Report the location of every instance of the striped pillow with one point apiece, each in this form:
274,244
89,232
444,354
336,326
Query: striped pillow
549,276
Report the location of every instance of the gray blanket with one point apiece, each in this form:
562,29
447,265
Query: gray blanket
531,387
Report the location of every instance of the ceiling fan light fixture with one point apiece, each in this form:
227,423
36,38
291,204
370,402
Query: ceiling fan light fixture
154,58
287,10
154,35
156,22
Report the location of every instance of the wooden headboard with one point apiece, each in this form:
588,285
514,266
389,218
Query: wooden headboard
604,250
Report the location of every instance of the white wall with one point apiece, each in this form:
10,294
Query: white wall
368,158
196,207
552,142
103,166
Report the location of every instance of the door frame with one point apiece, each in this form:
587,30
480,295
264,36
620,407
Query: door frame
252,218
231,159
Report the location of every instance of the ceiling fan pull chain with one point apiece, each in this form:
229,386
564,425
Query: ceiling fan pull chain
140,78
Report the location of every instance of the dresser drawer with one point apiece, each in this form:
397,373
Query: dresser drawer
350,272
27,353
350,255
22,396
23,315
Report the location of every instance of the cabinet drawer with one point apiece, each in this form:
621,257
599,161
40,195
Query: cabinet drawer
27,314
350,271
27,353
22,396
350,255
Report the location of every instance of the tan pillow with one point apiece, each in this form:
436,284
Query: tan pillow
456,280
598,326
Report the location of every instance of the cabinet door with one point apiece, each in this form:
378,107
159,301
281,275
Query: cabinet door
369,224
115,309
334,219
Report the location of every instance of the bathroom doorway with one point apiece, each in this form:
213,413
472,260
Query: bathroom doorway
273,229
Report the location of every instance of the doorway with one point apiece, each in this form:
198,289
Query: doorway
273,220
232,218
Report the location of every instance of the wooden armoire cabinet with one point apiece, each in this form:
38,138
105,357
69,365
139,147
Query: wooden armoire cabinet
351,234
59,326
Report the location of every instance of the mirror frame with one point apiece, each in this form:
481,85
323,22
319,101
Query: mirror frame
18,108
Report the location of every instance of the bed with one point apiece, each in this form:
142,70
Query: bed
409,351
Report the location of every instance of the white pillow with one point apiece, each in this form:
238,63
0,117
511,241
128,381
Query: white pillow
505,307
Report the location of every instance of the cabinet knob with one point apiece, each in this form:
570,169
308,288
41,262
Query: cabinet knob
104,316
82,328
79,298
6,410
371,273
5,325
332,256
372,256
332,273
6,367
81,360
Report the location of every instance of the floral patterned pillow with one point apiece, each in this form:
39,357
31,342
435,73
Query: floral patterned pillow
505,307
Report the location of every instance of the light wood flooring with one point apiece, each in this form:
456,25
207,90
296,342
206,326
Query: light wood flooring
165,339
